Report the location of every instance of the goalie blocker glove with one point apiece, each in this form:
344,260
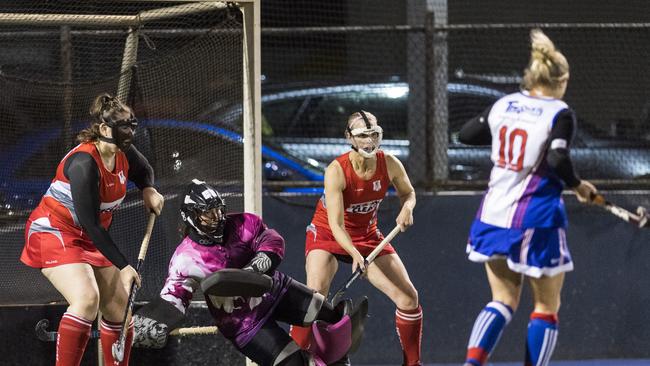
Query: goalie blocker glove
153,322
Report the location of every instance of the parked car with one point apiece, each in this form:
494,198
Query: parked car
309,122
178,151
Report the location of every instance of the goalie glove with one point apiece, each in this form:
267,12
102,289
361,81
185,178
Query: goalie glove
153,322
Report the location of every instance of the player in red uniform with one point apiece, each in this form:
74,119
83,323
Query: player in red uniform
344,227
67,234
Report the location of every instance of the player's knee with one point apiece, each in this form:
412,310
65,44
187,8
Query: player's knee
407,303
112,308
510,298
407,300
318,283
511,301
546,306
86,304
414,298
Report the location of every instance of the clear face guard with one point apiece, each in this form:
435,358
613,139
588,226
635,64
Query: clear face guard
366,141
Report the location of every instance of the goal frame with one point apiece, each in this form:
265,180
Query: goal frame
251,78
252,111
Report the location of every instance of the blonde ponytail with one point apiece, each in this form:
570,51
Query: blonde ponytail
547,67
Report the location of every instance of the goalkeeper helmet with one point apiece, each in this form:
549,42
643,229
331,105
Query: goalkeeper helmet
204,211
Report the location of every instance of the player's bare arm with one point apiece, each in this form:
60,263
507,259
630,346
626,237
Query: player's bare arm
405,191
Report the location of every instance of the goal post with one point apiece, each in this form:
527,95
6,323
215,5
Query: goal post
252,108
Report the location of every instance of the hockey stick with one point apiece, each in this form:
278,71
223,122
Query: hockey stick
46,336
118,347
50,336
640,219
182,332
371,257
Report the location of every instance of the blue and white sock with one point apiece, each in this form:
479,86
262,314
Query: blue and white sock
541,339
486,332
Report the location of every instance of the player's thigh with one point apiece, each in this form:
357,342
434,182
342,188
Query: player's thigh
77,283
505,284
112,295
321,266
546,292
388,274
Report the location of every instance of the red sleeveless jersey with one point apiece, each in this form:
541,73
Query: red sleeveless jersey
361,198
112,188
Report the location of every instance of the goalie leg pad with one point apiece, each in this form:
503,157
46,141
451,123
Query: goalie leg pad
236,282
330,342
300,305
358,316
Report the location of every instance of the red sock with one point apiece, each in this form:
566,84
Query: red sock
409,330
109,333
301,335
74,332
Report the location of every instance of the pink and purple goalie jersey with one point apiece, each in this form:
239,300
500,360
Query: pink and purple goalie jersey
237,318
523,192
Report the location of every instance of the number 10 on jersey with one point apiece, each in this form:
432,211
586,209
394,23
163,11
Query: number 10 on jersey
509,141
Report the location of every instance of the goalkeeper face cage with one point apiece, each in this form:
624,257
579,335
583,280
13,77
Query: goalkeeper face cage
204,210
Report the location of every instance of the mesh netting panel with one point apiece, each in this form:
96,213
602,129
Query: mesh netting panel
188,69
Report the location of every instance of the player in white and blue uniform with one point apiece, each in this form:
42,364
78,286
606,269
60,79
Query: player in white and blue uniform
520,227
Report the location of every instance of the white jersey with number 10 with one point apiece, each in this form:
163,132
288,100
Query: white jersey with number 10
522,191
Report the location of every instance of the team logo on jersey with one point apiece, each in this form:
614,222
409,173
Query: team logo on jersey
364,207
515,107
376,185
122,177
110,206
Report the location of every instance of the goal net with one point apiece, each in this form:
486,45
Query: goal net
179,65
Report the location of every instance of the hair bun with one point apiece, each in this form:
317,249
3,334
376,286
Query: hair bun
109,102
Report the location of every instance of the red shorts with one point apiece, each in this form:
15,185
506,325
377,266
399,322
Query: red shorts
49,242
322,238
